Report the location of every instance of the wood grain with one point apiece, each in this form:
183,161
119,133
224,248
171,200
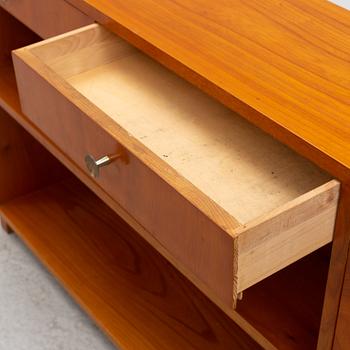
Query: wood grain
282,65
46,19
126,286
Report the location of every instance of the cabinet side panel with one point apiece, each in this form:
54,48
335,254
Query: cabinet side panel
331,315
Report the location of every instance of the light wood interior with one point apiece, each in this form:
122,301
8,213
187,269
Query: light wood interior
242,169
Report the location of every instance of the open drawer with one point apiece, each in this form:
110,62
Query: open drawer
227,204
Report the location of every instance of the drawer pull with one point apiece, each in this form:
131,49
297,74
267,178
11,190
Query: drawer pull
94,165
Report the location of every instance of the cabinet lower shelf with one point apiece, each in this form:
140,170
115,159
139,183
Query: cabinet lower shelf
138,298
134,295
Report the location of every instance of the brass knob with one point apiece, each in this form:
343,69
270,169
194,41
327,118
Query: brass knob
94,165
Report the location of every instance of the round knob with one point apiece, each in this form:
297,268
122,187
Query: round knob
94,165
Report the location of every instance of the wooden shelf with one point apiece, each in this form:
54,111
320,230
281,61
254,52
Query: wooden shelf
138,298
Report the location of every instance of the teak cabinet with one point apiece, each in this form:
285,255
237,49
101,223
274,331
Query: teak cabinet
159,172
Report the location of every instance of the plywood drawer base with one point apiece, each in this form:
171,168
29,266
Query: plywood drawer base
229,204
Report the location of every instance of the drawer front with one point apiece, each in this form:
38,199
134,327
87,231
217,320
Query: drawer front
190,239
46,18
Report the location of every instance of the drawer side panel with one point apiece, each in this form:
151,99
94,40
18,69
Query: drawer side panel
295,230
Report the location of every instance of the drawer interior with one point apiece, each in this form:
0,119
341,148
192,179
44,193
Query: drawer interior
274,205
241,168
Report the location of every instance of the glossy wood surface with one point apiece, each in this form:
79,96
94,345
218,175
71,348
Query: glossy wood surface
283,65
46,17
140,300
336,273
338,286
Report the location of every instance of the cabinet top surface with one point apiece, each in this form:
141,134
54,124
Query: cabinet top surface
280,63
